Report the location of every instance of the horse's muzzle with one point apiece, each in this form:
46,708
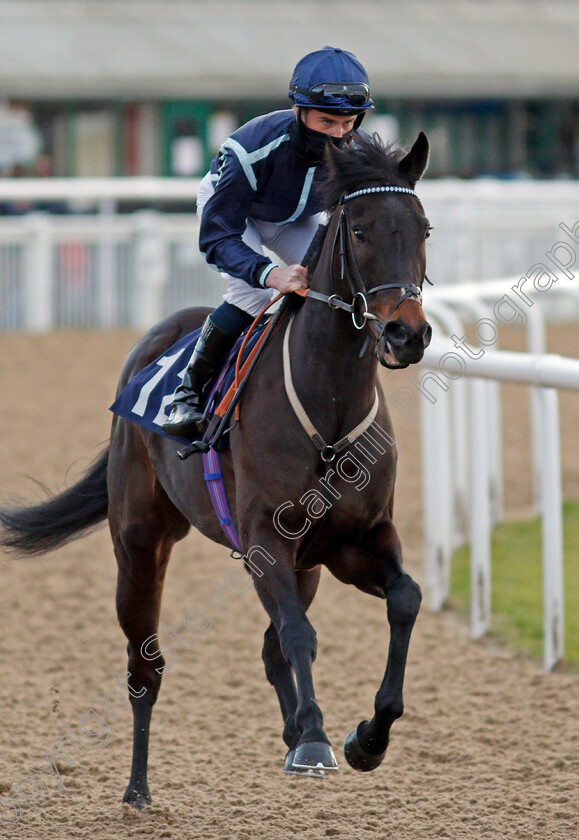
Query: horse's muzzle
401,345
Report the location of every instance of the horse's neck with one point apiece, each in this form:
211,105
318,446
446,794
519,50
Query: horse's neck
334,382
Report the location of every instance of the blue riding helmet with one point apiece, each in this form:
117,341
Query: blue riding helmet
331,79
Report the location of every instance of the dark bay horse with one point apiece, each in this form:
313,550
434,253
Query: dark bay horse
298,501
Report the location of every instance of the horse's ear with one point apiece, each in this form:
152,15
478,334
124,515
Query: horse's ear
331,157
414,164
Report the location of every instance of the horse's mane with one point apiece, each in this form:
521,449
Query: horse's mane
367,161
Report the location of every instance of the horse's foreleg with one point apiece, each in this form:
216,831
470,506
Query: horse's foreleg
278,591
277,669
365,746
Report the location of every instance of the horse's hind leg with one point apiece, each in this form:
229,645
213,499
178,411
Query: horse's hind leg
144,525
279,672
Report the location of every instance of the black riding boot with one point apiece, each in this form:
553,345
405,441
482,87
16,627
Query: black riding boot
187,408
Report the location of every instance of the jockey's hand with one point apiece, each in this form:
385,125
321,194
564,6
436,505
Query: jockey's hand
288,279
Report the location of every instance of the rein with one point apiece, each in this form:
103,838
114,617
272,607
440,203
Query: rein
358,308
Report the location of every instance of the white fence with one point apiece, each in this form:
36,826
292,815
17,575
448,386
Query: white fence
485,229
108,269
461,440
100,269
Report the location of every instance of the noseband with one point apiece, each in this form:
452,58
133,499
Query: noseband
358,308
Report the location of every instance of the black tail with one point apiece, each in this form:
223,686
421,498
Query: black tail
44,527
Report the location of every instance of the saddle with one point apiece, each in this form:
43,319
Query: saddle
147,397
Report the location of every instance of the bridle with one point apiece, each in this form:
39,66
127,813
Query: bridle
350,273
358,308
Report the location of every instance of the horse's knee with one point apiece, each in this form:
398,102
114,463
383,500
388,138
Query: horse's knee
403,600
298,638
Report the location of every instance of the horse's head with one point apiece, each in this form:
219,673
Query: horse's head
382,229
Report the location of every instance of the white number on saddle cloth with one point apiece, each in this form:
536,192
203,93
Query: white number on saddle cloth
165,364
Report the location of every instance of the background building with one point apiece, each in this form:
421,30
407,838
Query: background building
119,87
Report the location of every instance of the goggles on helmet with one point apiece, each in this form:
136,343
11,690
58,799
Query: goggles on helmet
355,93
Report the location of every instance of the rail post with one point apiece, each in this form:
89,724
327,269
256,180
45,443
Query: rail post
480,526
106,265
552,527
437,489
38,278
151,260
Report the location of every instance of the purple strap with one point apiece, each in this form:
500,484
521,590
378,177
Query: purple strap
212,475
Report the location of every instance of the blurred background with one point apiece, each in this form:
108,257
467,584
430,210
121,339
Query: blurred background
152,88
111,110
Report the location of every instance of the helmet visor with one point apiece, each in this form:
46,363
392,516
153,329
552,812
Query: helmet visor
356,94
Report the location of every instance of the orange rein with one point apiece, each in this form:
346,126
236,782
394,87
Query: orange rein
238,367
241,369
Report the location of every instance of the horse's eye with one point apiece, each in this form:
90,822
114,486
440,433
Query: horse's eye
359,234
427,232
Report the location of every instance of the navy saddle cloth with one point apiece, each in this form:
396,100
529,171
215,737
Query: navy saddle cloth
146,399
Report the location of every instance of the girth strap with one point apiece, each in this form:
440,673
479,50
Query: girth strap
327,451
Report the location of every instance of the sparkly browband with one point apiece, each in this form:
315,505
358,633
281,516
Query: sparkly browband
370,190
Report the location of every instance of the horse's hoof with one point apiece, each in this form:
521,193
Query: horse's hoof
139,800
358,758
314,756
290,770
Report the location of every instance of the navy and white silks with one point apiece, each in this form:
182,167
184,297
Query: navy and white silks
259,192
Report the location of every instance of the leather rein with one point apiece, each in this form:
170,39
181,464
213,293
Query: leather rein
350,273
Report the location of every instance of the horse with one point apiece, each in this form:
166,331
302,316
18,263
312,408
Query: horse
298,502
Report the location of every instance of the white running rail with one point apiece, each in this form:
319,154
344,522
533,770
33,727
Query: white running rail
459,423
108,269
101,271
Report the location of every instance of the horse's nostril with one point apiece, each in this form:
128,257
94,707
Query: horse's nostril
426,335
396,333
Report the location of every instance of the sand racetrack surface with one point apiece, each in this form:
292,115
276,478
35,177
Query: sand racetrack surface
488,746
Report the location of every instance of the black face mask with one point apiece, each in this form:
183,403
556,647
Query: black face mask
311,145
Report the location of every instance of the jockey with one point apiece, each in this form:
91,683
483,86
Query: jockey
261,191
